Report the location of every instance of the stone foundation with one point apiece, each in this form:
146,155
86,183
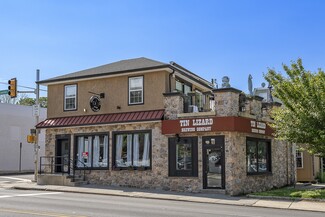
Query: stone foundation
236,179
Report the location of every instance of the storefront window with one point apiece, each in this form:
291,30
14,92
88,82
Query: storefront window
183,156
132,150
258,153
92,151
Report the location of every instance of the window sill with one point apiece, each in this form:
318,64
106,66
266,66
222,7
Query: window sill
92,168
131,168
260,174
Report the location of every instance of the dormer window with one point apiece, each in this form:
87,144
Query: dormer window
136,90
70,97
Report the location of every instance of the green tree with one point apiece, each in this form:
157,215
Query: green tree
26,101
302,118
31,101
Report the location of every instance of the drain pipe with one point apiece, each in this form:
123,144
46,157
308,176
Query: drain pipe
170,80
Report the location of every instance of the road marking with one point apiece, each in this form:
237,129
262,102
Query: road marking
29,195
14,178
34,213
1,182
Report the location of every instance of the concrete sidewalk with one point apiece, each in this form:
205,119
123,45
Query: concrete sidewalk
211,198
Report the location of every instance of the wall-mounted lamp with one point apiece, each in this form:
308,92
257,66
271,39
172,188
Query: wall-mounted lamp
101,95
118,107
178,138
85,110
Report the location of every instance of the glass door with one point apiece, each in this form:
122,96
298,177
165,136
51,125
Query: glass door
213,162
213,168
62,155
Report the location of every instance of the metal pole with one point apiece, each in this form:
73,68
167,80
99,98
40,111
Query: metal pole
36,147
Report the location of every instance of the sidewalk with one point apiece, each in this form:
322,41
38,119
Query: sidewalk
211,198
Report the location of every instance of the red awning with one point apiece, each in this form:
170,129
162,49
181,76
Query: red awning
102,119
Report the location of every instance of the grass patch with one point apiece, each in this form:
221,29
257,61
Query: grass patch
294,193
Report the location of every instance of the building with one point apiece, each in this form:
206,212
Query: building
309,166
16,155
147,124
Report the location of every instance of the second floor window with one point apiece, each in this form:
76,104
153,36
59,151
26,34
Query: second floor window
70,97
136,90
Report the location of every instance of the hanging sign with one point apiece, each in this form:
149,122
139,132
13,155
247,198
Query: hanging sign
95,103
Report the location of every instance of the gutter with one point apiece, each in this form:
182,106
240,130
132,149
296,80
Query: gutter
191,75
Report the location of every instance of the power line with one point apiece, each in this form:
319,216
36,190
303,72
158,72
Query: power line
23,86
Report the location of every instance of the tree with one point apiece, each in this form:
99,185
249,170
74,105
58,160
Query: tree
302,118
31,101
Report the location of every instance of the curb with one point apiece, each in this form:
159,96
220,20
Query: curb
182,198
285,198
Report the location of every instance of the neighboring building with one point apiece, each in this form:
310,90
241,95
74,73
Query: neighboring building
16,122
148,124
308,166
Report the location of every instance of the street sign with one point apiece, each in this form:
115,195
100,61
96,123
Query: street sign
3,92
36,109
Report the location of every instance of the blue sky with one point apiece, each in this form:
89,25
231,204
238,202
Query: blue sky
211,38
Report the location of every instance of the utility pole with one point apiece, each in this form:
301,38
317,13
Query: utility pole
36,147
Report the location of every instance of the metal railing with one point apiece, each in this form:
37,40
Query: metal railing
61,164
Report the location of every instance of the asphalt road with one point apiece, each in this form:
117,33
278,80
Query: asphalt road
18,203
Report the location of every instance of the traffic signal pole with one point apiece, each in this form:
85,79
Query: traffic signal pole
36,146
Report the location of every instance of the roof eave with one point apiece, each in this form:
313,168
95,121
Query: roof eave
59,80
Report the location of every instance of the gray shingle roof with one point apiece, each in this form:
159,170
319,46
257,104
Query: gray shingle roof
129,65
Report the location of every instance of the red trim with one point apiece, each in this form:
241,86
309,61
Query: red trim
102,119
215,124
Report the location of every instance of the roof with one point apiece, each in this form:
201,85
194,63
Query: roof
126,66
152,115
122,66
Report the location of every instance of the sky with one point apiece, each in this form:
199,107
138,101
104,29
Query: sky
213,39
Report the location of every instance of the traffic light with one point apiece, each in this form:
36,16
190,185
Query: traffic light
12,88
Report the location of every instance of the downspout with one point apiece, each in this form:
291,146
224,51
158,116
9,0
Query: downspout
170,80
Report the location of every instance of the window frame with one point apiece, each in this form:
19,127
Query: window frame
268,155
129,90
172,143
301,157
114,140
65,97
92,135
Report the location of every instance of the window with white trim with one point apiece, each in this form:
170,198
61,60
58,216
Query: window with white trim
70,97
136,90
299,159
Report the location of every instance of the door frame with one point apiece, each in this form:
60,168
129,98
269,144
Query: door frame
219,144
58,139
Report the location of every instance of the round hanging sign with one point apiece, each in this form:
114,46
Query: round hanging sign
95,103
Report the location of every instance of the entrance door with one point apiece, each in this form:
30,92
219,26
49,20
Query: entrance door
62,155
213,162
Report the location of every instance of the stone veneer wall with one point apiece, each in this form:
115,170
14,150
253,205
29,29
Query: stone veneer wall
227,103
237,180
156,178
174,105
